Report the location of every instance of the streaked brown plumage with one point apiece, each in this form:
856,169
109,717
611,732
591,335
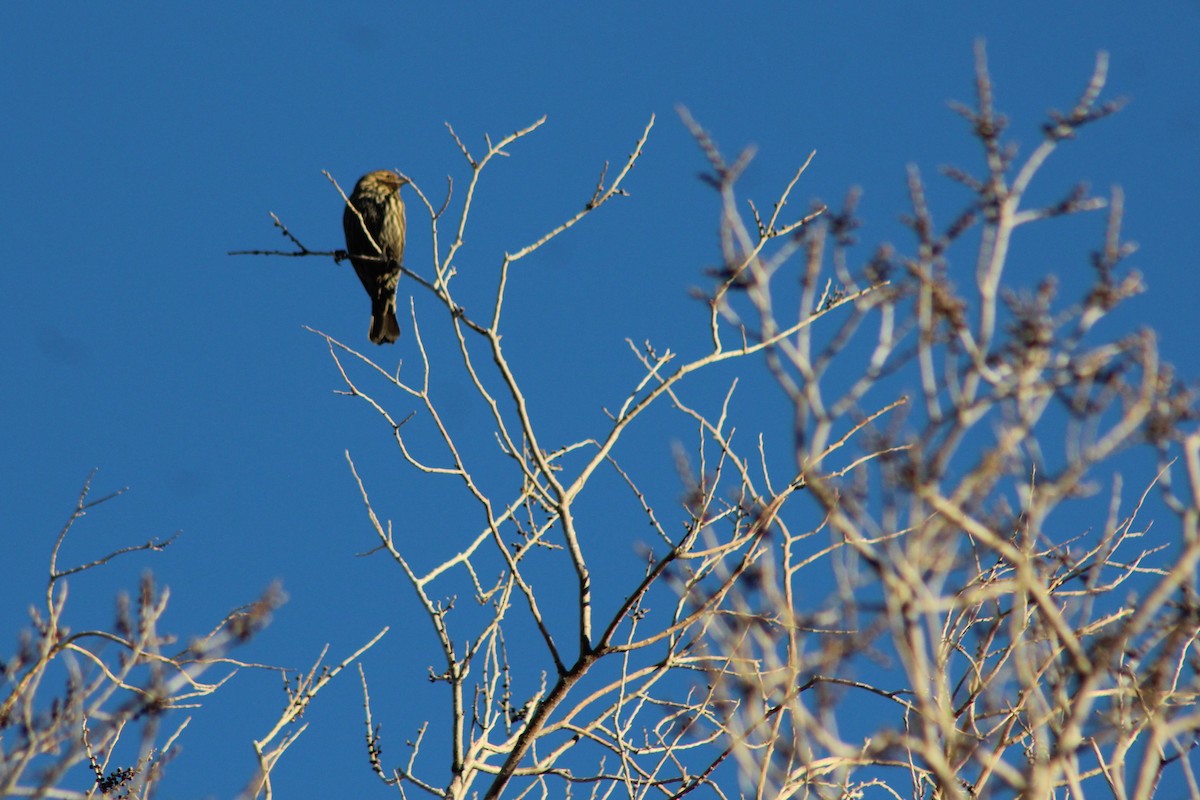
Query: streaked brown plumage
377,257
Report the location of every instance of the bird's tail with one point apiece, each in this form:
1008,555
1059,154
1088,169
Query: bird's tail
384,327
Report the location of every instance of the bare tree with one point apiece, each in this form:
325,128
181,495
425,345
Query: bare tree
130,690
929,600
1006,629
610,708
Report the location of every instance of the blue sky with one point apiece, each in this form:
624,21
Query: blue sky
142,142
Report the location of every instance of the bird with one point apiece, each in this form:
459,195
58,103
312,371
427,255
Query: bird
374,225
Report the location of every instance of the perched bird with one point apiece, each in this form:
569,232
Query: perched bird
375,241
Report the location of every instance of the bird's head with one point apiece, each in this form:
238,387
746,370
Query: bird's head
381,179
